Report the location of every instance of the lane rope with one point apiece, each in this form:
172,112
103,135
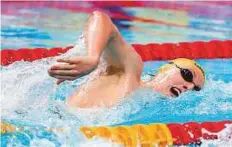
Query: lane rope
149,52
144,134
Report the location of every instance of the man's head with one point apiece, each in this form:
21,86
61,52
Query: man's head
178,76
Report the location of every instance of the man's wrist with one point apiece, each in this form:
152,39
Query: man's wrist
94,58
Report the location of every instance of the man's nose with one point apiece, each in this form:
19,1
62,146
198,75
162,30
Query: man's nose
190,86
187,86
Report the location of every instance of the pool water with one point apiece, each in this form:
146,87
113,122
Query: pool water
30,98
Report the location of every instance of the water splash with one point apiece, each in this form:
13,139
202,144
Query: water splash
29,97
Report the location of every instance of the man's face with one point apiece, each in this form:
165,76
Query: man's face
178,79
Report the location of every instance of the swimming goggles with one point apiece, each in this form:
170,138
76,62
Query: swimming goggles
187,75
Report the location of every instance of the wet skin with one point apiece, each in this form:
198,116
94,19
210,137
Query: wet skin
124,68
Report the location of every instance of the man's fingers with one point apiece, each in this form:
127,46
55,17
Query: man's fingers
62,66
65,77
64,72
60,81
63,60
69,60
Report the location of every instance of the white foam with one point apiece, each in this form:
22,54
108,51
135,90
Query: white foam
29,96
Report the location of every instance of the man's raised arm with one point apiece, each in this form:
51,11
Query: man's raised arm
98,32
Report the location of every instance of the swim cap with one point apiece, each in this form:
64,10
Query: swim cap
188,62
182,62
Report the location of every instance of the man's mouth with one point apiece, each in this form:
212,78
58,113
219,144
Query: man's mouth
175,91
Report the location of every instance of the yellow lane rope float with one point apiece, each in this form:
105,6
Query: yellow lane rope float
156,134
131,136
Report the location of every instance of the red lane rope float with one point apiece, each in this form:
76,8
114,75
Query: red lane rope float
166,51
158,133
193,132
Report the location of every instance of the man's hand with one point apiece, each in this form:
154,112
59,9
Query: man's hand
72,68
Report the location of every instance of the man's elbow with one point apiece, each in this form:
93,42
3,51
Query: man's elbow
104,22
102,16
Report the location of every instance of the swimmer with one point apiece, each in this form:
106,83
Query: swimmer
124,68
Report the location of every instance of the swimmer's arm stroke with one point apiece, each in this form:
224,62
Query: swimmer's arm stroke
100,33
